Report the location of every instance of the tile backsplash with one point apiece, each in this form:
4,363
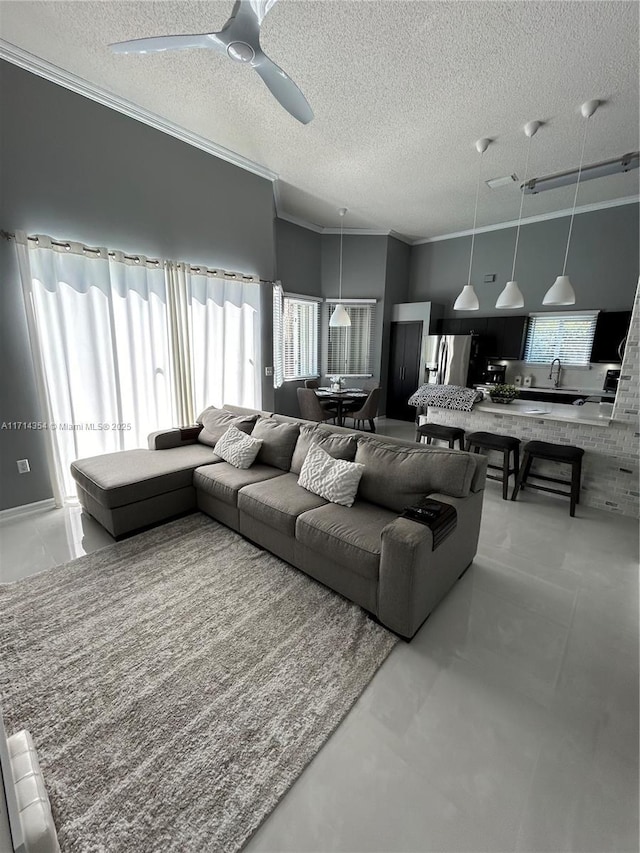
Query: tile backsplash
584,378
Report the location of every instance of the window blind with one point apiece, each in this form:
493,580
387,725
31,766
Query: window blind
350,349
299,338
567,336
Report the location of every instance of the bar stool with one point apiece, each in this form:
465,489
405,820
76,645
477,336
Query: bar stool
441,433
504,444
565,453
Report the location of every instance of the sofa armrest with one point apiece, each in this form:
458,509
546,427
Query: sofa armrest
177,437
413,578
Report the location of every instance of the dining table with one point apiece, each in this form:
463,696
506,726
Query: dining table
341,398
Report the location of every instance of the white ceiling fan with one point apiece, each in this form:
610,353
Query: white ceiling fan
239,39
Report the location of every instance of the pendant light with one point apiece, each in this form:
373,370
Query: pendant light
511,296
467,299
561,292
340,316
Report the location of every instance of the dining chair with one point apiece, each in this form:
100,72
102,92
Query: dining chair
367,411
310,408
311,383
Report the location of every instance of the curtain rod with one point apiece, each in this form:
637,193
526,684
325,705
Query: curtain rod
7,235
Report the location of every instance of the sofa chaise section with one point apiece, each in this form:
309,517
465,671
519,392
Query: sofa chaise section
134,488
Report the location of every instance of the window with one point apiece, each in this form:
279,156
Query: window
350,349
299,337
567,336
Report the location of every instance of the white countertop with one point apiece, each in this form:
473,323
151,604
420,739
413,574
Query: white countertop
589,413
583,392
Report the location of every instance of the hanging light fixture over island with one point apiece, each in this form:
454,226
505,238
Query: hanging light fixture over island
467,299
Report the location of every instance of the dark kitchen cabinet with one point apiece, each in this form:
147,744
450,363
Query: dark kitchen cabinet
404,369
499,337
611,329
505,337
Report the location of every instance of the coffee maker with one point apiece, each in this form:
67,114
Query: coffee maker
495,374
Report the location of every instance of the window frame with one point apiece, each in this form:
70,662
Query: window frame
300,298
329,305
565,317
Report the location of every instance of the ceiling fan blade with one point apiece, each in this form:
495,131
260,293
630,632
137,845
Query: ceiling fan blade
283,89
157,44
255,9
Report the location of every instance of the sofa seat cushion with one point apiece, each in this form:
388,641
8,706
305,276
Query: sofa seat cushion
351,536
125,477
278,503
223,481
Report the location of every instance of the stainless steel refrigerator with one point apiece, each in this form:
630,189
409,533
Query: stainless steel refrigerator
448,359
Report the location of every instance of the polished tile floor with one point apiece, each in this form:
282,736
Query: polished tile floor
509,723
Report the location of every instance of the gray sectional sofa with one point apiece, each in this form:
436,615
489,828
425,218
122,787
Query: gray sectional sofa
367,552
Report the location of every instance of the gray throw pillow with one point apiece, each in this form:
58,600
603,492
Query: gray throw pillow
278,441
215,423
337,446
237,448
333,479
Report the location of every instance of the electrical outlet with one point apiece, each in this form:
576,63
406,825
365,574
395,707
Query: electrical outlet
268,371
23,466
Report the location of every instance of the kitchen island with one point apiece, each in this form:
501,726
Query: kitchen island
610,464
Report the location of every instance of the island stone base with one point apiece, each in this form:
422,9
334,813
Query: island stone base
610,465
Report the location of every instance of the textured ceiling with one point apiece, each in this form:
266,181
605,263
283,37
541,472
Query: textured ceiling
400,90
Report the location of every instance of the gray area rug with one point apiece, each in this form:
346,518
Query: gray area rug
176,684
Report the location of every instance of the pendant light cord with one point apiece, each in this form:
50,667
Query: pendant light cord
475,217
575,196
341,234
524,183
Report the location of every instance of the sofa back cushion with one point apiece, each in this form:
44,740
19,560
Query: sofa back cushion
397,477
215,422
278,441
337,446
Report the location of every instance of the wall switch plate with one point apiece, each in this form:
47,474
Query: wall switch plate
489,278
23,466
268,371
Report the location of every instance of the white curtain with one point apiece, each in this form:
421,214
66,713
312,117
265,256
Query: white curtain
224,323
124,346
102,350
278,335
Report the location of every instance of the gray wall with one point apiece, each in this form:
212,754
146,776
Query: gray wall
603,263
298,263
74,169
308,263
364,269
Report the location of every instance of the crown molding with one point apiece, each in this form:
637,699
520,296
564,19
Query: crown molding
530,220
67,80
301,223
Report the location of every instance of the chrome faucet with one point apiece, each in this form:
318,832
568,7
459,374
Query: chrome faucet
556,378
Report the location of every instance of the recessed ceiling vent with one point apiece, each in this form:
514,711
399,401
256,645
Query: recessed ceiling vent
505,181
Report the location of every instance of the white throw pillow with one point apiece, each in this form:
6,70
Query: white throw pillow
237,448
334,479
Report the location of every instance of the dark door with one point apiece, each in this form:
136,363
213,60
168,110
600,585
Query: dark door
404,369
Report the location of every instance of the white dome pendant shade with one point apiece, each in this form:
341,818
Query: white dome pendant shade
467,299
511,297
561,292
340,317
